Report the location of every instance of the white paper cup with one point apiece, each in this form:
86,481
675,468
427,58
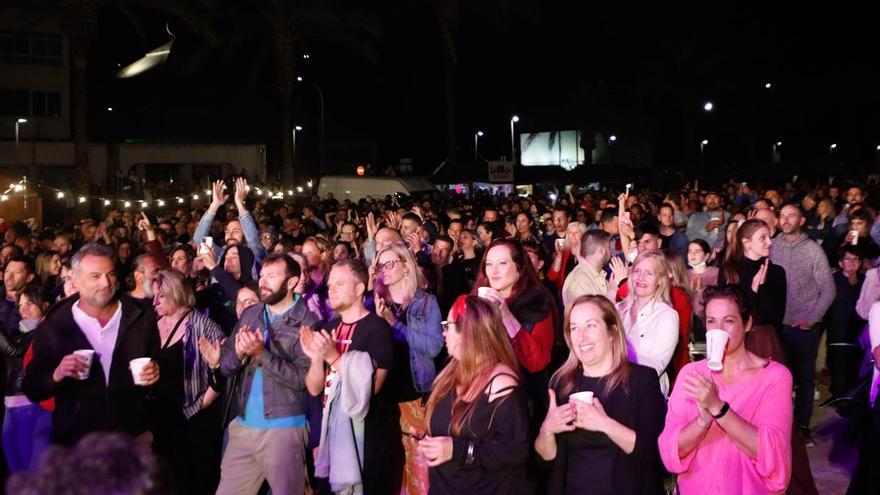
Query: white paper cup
87,355
855,237
586,397
716,343
137,366
483,291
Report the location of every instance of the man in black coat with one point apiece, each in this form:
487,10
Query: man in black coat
103,396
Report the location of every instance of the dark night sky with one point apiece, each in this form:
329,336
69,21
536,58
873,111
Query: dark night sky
556,64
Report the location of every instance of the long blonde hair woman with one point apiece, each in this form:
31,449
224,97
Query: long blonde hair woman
649,321
477,408
414,316
626,405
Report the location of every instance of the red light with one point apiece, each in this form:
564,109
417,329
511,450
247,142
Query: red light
361,170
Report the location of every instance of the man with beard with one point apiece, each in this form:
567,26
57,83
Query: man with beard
268,440
588,277
146,266
94,393
707,225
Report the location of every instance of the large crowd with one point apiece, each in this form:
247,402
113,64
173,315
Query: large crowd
443,344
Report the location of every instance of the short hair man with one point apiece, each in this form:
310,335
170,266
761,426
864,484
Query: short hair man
332,351
588,277
101,396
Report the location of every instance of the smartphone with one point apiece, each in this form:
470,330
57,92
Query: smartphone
560,243
206,245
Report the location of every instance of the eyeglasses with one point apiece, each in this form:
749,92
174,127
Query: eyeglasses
449,324
388,265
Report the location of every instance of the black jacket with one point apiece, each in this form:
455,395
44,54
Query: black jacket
82,407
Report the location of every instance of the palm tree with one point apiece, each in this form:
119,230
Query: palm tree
278,31
79,19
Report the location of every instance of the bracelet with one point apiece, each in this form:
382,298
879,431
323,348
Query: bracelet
722,412
334,361
469,458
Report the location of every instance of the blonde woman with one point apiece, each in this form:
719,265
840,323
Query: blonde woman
610,444
414,317
649,321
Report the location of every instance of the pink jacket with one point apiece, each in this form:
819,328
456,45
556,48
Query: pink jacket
716,465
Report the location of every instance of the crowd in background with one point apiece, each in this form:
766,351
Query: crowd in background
444,344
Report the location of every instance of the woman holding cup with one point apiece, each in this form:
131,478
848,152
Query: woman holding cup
187,429
605,413
649,321
729,431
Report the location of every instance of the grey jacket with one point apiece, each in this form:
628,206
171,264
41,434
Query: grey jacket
284,363
809,283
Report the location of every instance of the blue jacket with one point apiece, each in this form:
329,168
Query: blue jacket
424,337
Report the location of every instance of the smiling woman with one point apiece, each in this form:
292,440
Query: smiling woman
615,430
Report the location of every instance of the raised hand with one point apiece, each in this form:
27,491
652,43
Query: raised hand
219,196
393,220
559,419
241,191
760,277
210,351
619,270
372,228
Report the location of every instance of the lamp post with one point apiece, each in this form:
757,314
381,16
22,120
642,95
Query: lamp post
703,145
294,131
708,106
18,123
831,149
513,120
321,101
477,137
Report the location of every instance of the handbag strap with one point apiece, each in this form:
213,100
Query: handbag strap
174,331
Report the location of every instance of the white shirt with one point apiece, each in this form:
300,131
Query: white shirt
874,331
103,339
651,339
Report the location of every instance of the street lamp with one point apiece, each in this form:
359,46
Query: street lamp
321,100
708,106
513,120
477,137
17,124
703,145
295,129
777,145
768,85
831,149
612,138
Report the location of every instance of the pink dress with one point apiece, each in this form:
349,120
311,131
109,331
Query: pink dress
716,466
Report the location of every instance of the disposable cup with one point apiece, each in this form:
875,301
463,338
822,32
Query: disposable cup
137,366
87,355
586,397
716,343
483,291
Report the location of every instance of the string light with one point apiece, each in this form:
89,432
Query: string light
143,204
299,189
180,200
127,204
82,199
3,197
60,194
161,203
196,197
106,202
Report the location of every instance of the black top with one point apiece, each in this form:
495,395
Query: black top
168,398
501,446
589,462
844,324
383,447
768,305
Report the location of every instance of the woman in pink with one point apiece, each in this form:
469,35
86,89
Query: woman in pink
729,432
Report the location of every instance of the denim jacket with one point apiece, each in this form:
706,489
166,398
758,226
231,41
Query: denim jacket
283,362
424,336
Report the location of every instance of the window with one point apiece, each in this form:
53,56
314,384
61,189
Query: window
24,103
30,48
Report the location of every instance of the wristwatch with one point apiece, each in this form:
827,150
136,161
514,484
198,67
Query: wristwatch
722,412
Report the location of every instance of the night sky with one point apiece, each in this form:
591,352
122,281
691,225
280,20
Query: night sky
642,75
